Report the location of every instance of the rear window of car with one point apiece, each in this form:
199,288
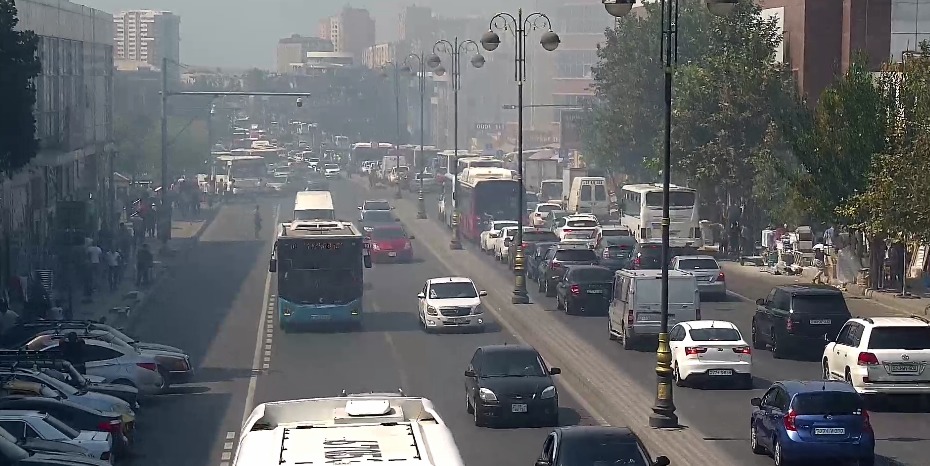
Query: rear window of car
819,304
538,236
592,275
715,334
619,251
903,338
698,264
616,232
575,255
827,403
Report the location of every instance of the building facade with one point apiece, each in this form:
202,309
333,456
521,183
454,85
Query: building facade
149,36
66,186
293,50
350,31
910,25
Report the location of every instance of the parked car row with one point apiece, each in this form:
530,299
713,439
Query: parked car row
70,391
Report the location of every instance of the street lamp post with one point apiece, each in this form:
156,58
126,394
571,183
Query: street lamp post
663,412
455,49
420,72
520,27
394,66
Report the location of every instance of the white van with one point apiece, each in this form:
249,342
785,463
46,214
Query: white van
314,205
635,308
588,195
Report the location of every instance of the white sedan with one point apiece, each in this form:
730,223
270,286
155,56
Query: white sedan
116,364
710,350
493,232
541,212
501,244
450,303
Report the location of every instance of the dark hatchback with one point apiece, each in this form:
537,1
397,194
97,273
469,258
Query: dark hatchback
798,318
585,289
534,254
596,446
531,237
648,256
373,218
511,383
616,252
557,260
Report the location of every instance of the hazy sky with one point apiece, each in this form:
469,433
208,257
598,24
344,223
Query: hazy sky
243,33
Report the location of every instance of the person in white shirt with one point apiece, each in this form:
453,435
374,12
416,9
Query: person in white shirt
113,261
94,254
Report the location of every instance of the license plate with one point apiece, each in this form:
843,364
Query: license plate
703,279
829,431
720,372
320,317
595,291
459,320
518,408
644,318
902,367
392,254
821,322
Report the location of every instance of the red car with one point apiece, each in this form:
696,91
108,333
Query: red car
390,243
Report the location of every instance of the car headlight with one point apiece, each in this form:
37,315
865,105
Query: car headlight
548,393
431,311
476,310
486,395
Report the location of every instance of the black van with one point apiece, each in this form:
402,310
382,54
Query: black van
798,318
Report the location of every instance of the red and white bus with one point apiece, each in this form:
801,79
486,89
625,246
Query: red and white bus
484,194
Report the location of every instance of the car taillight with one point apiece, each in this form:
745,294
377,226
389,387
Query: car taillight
637,262
742,350
112,426
721,277
789,325
567,230
694,350
375,246
867,359
790,421
148,365
407,245
866,422
576,290
105,456
524,245
556,265
629,317
606,254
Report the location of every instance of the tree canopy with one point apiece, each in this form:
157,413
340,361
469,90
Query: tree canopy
19,66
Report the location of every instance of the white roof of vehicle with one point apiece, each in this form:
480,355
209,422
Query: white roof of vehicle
313,200
449,280
356,429
915,321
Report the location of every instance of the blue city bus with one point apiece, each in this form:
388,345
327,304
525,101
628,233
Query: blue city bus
319,266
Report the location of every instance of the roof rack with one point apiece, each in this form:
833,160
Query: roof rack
920,318
399,392
29,355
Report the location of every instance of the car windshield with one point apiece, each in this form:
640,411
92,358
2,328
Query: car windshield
604,451
388,233
902,338
573,255
62,427
715,334
512,364
331,166
546,208
378,216
502,225
832,303
452,290
698,264
591,275
377,205
621,232
827,403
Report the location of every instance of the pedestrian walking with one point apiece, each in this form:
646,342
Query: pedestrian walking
820,262
94,258
113,260
144,260
38,302
72,350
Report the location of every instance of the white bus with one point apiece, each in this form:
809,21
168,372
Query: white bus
353,429
641,212
314,205
246,172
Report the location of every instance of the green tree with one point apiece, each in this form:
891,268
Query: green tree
139,140
19,66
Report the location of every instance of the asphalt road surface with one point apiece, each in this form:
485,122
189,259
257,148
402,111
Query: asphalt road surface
215,305
902,428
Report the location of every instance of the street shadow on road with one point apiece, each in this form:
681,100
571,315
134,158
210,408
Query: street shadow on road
758,383
221,374
567,417
899,404
189,424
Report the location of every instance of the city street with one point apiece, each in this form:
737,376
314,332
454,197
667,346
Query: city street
216,307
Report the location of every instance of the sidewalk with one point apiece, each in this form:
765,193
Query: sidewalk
117,307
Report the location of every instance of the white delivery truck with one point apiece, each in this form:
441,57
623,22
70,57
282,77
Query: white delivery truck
358,429
635,309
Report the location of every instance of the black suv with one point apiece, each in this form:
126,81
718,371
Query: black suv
558,258
798,317
530,237
648,255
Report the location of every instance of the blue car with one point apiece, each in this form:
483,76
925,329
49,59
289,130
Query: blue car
812,420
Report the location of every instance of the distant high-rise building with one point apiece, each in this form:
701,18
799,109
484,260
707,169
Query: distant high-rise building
417,26
293,50
351,31
149,36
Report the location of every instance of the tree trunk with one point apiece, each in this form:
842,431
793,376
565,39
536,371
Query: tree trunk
876,261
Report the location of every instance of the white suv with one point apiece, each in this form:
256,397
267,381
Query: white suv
881,355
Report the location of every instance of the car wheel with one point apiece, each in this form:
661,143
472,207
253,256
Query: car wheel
559,306
480,419
756,344
626,340
549,291
867,461
777,454
825,374
610,330
165,378
777,351
754,441
540,283
468,407
676,375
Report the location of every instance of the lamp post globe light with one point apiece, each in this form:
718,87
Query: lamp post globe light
520,26
420,72
396,70
663,412
454,49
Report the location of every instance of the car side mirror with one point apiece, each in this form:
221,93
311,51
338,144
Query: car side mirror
482,293
543,463
760,302
397,220
554,371
470,373
661,461
359,207
412,237
421,295
755,402
273,265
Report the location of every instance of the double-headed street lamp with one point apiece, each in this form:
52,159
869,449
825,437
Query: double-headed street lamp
663,415
520,27
454,49
396,69
420,72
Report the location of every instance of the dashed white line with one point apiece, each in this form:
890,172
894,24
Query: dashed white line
227,449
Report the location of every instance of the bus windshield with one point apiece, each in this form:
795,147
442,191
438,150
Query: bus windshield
249,169
496,199
316,286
